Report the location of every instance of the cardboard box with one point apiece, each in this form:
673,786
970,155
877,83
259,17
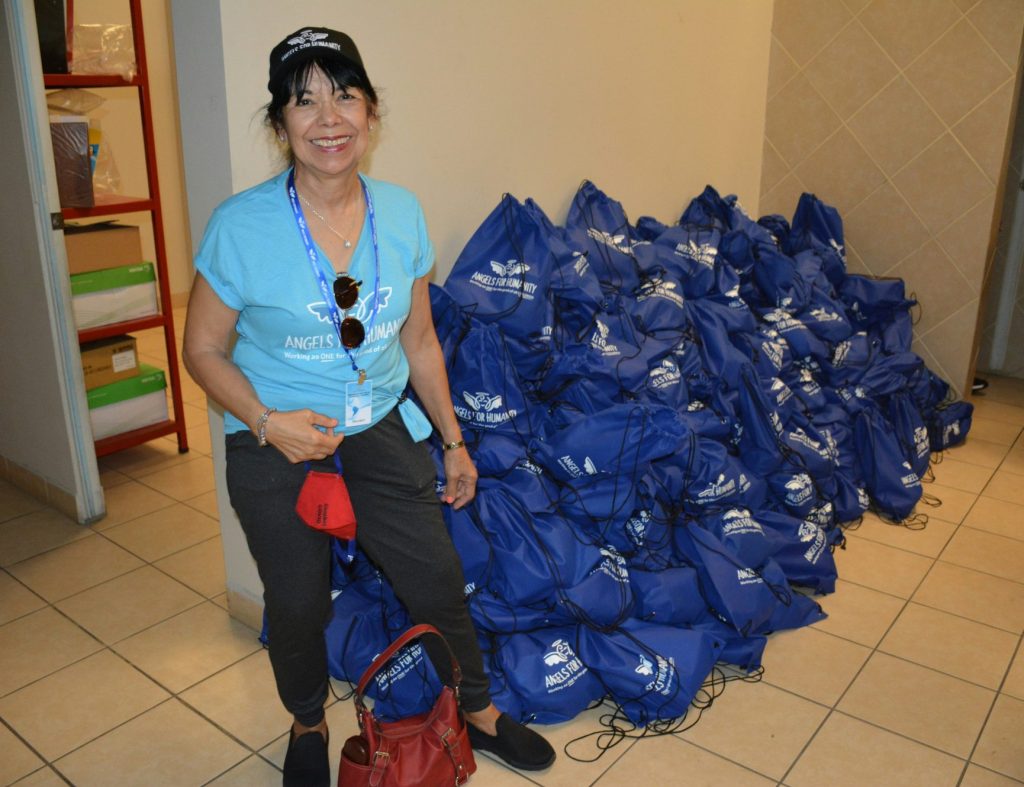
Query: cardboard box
70,137
113,295
128,404
106,361
94,247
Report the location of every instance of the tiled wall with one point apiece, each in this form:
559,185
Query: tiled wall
1011,364
897,112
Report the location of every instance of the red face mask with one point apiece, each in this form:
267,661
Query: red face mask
324,503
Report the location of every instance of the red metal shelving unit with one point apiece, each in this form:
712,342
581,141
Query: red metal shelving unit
107,205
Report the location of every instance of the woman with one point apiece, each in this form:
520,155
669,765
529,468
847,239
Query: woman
316,372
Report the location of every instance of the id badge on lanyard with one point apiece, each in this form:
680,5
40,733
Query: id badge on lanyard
359,403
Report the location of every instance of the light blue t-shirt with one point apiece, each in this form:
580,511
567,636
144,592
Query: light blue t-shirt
253,257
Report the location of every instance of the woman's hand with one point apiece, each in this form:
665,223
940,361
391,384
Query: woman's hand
295,434
460,477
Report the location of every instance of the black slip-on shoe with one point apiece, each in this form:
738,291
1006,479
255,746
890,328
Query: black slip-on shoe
515,744
306,764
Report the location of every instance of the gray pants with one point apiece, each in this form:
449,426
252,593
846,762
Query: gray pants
399,526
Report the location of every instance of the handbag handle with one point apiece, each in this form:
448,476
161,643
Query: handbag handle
413,633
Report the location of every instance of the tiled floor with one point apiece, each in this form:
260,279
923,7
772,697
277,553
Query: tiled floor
120,666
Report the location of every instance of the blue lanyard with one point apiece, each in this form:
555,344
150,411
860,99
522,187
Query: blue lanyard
314,261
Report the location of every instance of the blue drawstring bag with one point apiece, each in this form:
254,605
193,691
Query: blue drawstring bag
910,431
779,281
597,504
493,452
659,305
616,441
604,598
666,385
504,271
744,534
486,392
826,318
818,226
670,596
597,226
653,672
450,321
891,482
802,343
949,425
802,551
688,254
543,673
496,615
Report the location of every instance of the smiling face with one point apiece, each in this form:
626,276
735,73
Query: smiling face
328,128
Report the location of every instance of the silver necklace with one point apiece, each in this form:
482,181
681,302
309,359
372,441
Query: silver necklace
306,202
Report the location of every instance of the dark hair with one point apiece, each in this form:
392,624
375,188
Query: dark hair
291,85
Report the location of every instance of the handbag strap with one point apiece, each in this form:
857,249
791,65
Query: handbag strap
413,633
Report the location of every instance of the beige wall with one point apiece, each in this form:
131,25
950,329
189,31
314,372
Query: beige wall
531,97
896,112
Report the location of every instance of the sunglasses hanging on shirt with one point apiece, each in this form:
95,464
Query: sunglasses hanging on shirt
346,295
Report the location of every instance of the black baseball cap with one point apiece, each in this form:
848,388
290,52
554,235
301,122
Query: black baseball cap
308,43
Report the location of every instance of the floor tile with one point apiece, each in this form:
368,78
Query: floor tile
33,646
169,739
16,759
993,431
79,703
1014,460
1009,390
976,776
978,452
253,772
196,414
16,599
37,532
975,595
1006,486
164,532
184,480
986,552
190,647
146,458
859,613
111,478
75,567
918,702
44,777
15,503
882,567
953,503
1001,747
960,475
998,411
848,752
661,760
793,660
997,516
734,727
128,604
928,541
200,567
130,500
956,646
206,503
1014,685
242,699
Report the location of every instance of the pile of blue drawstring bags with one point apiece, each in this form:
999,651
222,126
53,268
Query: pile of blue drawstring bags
670,424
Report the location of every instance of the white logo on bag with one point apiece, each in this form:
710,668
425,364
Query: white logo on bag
815,550
637,526
508,278
581,264
799,489
747,576
617,242
599,341
659,288
807,531
821,314
510,268
484,409
841,352
837,246
469,589
783,393
703,253
567,462
614,565
570,668
665,375
737,521
722,487
910,478
921,440
646,667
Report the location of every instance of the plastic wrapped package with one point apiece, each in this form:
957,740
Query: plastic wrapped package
103,49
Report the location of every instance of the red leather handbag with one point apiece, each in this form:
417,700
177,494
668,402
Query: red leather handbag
427,750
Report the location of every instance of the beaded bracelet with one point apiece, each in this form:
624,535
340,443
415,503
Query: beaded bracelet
453,446
261,426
